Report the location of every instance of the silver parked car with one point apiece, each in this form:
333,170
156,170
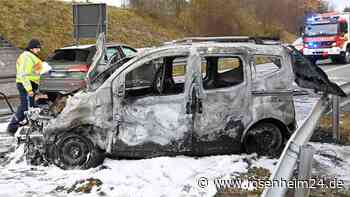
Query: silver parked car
204,96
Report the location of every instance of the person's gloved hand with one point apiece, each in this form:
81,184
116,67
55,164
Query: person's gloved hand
31,93
45,68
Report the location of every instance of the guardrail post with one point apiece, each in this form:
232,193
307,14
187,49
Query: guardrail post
335,117
306,156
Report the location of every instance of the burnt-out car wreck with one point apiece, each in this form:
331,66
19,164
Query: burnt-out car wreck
204,97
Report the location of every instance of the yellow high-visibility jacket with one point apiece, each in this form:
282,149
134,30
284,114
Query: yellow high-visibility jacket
28,68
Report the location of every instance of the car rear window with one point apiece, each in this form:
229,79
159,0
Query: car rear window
75,55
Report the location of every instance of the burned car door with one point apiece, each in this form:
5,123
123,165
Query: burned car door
153,119
309,75
99,61
219,123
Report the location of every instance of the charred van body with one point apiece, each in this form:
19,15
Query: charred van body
200,98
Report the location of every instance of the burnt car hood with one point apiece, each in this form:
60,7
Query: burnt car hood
310,76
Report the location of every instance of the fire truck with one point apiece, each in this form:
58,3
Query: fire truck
327,36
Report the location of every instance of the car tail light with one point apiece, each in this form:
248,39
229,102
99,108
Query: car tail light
79,68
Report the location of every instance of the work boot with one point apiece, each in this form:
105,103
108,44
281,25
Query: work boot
11,130
12,126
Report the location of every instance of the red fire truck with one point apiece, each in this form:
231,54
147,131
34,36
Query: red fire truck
327,36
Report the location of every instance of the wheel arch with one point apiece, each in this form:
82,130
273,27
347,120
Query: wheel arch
93,133
282,126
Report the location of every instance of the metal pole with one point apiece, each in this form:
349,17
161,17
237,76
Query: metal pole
305,168
335,117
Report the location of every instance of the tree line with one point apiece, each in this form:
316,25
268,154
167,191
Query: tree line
231,17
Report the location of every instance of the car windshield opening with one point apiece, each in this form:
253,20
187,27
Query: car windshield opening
321,29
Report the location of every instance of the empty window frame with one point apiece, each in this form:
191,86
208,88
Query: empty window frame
162,76
223,71
265,65
111,51
128,51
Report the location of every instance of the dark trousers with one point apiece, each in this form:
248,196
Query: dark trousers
19,116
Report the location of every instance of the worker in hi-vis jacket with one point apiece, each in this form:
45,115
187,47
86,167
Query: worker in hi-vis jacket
28,70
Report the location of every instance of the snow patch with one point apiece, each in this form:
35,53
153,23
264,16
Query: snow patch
161,176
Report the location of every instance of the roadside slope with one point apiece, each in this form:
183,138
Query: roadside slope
51,22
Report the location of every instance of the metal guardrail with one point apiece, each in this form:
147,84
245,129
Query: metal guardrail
8,79
300,137
7,102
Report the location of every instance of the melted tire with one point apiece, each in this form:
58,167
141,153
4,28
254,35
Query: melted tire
75,151
265,139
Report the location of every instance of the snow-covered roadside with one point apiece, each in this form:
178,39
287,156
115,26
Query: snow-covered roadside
332,161
162,176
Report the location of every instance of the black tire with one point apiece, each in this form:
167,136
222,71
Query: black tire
338,59
75,151
343,58
312,60
265,139
334,60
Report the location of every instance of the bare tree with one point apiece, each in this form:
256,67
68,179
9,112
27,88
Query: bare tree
230,17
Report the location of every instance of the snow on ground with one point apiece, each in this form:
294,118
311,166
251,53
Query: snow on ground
162,176
333,161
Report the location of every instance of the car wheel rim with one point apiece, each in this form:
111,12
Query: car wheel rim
265,141
74,151
270,141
